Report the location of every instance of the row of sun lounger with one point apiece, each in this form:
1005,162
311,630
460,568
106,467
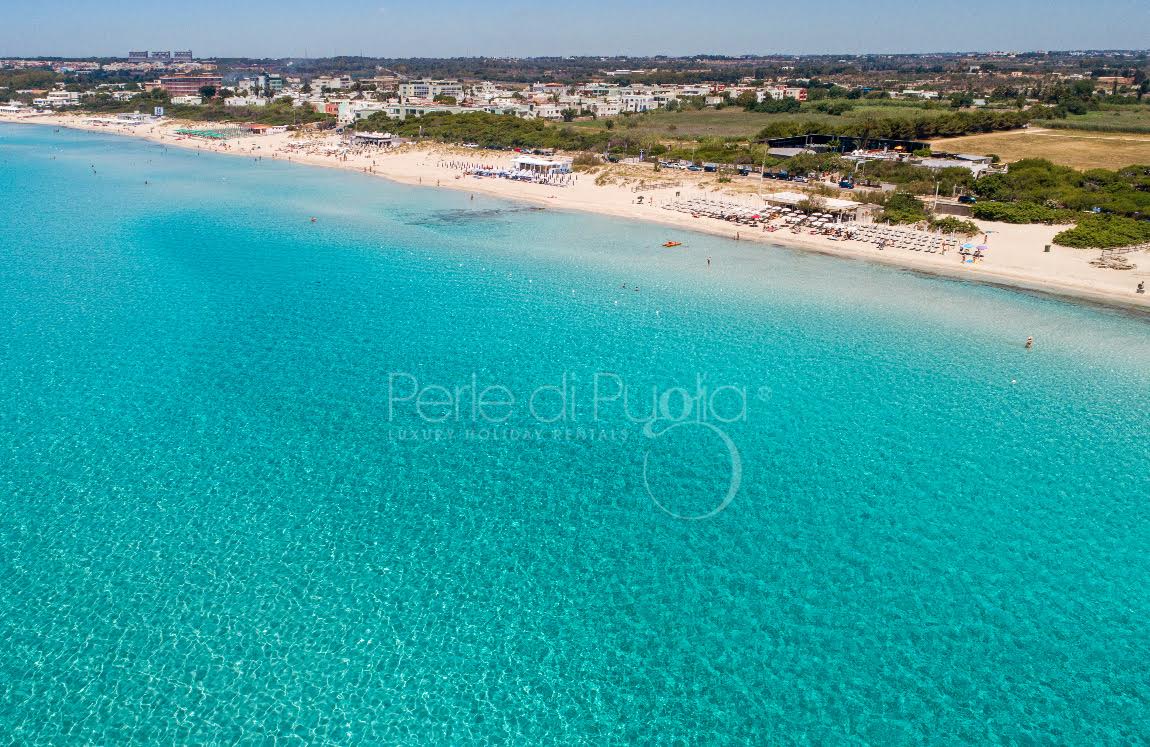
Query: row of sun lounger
898,238
888,237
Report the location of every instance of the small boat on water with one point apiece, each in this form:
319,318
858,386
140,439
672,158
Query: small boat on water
672,243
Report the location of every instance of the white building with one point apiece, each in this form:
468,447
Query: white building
429,89
245,101
350,111
548,111
780,92
541,166
404,110
638,102
332,82
609,108
60,99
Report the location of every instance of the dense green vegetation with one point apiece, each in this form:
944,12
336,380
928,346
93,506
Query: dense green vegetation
1037,191
785,118
16,80
489,130
950,224
902,207
1021,212
917,126
658,133
918,180
278,112
1041,189
1104,232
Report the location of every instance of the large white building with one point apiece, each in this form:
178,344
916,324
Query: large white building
638,102
59,99
781,92
332,82
429,89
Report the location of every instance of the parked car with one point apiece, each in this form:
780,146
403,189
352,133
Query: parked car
846,184
968,199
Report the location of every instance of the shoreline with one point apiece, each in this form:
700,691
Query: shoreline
1017,260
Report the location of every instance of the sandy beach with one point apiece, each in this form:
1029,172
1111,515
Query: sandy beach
1016,257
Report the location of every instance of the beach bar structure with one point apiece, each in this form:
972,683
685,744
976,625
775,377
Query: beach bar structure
541,166
256,128
844,209
378,139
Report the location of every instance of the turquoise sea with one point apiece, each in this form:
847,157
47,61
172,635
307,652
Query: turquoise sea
264,480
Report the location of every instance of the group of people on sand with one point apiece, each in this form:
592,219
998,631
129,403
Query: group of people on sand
974,256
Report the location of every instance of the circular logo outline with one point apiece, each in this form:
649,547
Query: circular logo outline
736,469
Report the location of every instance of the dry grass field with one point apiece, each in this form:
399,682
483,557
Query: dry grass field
1081,150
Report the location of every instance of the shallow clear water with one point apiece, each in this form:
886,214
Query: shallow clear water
226,517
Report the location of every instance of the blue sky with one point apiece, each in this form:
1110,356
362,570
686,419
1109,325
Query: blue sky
520,28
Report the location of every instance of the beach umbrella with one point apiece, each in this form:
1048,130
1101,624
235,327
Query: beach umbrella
982,247
968,246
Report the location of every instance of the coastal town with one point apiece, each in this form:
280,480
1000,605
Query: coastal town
978,81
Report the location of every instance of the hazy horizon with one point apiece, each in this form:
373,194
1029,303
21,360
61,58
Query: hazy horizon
513,28
586,55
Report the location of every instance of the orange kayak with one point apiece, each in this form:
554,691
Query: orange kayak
673,243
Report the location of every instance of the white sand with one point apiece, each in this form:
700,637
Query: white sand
1016,257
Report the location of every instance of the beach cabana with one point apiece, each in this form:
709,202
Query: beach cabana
378,139
541,166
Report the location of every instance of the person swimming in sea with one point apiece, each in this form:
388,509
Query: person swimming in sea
1029,343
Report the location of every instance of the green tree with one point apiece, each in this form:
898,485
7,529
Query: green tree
747,99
